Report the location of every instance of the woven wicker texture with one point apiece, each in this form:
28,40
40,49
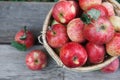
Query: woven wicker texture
56,57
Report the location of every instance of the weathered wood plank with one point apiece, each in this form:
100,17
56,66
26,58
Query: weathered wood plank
15,15
96,75
13,67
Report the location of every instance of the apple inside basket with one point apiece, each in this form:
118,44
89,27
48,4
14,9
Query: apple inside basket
55,54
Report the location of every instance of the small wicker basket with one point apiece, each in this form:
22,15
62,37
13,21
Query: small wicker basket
53,54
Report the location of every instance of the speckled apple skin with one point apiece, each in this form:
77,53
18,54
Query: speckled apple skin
112,67
113,46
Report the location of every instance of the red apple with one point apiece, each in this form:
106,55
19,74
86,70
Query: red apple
100,31
109,8
75,30
73,54
36,60
95,52
113,46
101,8
84,4
112,67
57,36
24,37
64,11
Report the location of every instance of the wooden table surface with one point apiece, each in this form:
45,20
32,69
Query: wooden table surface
13,16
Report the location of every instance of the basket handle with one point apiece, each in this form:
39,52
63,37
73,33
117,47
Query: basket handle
40,39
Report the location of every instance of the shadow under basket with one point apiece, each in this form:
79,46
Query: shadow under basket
53,54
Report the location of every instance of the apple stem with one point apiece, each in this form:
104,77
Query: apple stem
75,60
36,61
25,34
54,32
102,27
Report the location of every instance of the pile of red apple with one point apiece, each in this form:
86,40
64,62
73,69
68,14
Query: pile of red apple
85,31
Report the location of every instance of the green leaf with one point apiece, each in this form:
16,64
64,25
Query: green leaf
18,46
94,14
85,18
118,1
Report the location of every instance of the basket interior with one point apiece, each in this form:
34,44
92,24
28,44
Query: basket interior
54,53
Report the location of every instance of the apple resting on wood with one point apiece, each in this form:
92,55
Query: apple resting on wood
23,40
36,60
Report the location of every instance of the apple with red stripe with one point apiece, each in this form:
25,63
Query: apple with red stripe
96,53
75,30
113,46
36,60
73,55
103,11
64,11
112,67
57,35
84,4
109,8
23,40
98,29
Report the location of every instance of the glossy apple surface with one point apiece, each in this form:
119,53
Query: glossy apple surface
100,31
28,41
57,35
112,67
84,4
36,60
73,54
113,46
64,11
101,8
75,30
96,53
109,8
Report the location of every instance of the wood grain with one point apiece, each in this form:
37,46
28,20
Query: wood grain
13,67
96,75
15,15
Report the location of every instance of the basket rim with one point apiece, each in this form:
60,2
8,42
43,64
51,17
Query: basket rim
56,57
115,4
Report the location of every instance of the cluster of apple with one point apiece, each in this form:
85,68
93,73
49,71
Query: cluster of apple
85,31
35,59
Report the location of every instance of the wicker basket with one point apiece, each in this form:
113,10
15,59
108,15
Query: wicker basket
56,57
116,6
